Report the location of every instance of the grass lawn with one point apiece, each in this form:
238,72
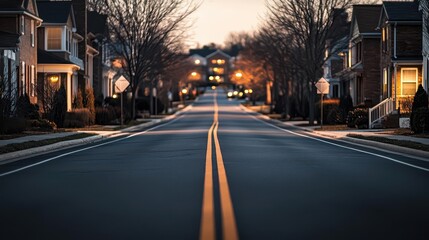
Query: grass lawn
32,144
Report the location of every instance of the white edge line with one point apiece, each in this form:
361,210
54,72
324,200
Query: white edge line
87,148
341,146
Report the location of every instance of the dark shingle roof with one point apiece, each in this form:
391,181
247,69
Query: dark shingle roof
44,57
96,22
8,40
367,17
54,12
11,5
402,11
203,52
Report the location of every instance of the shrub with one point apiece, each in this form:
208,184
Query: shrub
60,107
89,103
105,115
43,124
346,105
358,118
78,118
329,106
12,125
25,109
419,116
78,100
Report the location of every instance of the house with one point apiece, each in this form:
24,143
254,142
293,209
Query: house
364,55
218,67
401,50
101,62
58,60
335,46
18,47
211,65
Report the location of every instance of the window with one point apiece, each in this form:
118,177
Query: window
359,51
384,39
385,84
409,77
32,82
23,77
54,38
32,33
335,91
22,27
68,40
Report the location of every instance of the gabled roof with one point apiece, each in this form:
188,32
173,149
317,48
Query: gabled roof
402,11
11,5
203,52
366,18
8,40
28,7
218,52
56,12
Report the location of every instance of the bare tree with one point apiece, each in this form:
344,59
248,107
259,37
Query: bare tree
147,35
309,25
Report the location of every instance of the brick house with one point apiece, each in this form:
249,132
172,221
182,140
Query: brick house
363,70
58,61
401,50
18,45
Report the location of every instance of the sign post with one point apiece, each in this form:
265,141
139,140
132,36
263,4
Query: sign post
120,85
322,88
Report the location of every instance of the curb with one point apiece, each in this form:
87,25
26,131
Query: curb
32,152
410,152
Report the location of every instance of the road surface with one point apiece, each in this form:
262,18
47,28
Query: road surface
216,172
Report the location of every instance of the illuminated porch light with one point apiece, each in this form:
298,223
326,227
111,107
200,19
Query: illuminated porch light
184,91
211,78
54,78
197,62
239,75
194,74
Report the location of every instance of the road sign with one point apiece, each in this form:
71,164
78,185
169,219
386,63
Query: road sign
322,86
121,84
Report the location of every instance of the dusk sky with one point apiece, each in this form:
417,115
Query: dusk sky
215,19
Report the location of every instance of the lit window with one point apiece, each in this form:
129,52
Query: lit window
54,38
409,78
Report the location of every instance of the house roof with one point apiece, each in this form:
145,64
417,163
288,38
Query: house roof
218,52
11,5
366,17
203,52
402,11
96,22
44,57
8,40
20,6
55,12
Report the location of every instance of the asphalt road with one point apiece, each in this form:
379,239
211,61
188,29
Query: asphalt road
216,172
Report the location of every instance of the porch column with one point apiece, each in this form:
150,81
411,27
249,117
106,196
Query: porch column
69,91
395,83
425,73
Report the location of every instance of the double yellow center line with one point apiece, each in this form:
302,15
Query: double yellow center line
208,225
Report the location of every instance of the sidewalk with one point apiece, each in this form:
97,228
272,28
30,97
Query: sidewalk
100,135
382,133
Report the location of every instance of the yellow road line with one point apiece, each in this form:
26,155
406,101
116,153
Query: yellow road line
208,225
207,229
229,225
